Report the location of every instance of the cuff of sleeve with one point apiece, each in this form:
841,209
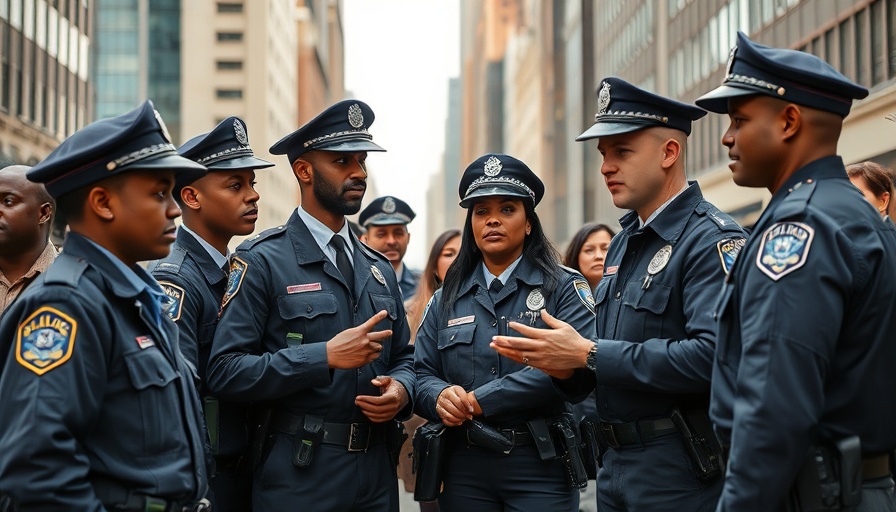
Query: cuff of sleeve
489,401
606,364
575,388
408,410
313,360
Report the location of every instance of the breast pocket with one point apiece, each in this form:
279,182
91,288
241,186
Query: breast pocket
456,348
154,381
646,308
309,317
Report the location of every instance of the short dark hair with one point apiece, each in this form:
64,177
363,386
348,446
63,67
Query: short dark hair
571,258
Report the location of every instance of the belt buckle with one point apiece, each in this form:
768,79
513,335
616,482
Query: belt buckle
354,432
610,435
202,505
512,442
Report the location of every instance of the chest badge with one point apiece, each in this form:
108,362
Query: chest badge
377,275
658,263
535,300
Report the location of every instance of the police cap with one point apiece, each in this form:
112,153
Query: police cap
499,175
790,75
624,108
386,211
225,148
133,141
341,127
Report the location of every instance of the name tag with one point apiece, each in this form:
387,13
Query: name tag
609,271
145,342
462,320
300,288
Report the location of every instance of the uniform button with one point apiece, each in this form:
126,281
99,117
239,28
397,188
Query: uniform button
356,308
495,323
309,308
618,294
452,337
494,370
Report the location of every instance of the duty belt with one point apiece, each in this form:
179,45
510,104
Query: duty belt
875,466
517,436
139,503
354,437
635,432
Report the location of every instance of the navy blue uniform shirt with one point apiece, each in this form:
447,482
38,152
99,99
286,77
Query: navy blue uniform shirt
285,300
805,335
656,334
455,350
95,390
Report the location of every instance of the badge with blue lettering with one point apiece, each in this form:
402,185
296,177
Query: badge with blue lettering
234,279
45,340
583,290
728,250
784,248
176,294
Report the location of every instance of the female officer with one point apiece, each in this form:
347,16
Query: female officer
506,270
587,250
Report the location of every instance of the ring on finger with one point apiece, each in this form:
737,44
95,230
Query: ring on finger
525,360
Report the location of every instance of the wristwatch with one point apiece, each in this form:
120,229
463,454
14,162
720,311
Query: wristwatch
591,359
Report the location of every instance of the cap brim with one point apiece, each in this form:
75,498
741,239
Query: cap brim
716,100
183,168
493,190
349,146
388,220
599,130
240,163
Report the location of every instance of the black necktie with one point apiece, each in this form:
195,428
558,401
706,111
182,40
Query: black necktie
495,288
342,261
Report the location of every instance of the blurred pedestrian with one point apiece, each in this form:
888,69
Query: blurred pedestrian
385,221
874,181
588,250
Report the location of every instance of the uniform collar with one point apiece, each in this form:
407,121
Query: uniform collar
322,234
670,222
489,277
207,258
823,168
524,271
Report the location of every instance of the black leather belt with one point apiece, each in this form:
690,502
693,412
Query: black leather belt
875,466
517,436
138,503
635,432
354,437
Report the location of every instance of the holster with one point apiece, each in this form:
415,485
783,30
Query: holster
308,438
258,436
590,448
488,437
430,449
541,433
700,442
829,479
569,450
395,438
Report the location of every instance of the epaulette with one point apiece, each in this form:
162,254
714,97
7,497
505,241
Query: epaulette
66,270
264,235
373,253
722,219
796,201
170,263
570,270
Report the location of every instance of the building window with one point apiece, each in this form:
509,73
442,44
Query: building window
229,65
229,94
230,7
230,36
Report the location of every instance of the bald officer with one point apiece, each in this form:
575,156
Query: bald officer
386,220
99,411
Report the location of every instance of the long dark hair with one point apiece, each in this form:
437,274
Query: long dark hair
429,281
536,248
571,258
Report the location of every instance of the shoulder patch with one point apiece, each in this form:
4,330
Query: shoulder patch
235,279
45,340
176,294
784,248
728,250
583,290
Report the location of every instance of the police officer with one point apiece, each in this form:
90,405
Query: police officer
313,330
506,270
652,360
386,220
216,207
805,351
99,410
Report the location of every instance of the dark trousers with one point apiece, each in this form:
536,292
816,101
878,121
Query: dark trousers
230,490
878,496
336,481
656,476
481,481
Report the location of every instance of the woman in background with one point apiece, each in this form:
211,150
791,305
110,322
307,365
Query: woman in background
874,181
587,250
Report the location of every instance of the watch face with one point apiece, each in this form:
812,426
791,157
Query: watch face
591,360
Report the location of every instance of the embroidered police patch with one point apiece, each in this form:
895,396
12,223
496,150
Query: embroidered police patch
176,294
583,290
45,340
728,250
784,248
234,279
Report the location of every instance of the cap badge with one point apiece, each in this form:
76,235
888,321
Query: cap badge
355,116
535,300
660,259
603,99
240,132
388,205
730,62
163,127
377,275
492,167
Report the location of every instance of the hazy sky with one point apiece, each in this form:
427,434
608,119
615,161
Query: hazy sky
399,55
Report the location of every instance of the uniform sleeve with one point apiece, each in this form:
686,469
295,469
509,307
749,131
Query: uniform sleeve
428,363
528,387
673,365
50,402
186,313
240,369
401,365
789,330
